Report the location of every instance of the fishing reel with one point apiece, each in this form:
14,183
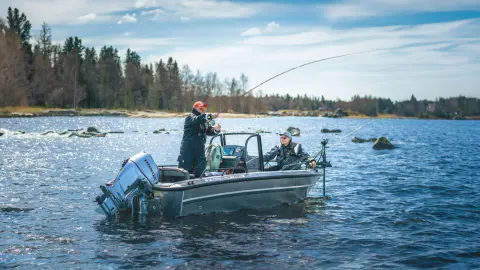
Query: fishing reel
210,123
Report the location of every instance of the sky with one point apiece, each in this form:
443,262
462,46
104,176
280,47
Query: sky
428,48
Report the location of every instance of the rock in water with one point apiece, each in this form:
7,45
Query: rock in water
382,143
358,140
361,140
294,131
326,130
92,129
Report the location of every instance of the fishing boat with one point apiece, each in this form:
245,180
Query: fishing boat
235,178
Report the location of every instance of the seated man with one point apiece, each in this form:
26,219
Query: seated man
290,155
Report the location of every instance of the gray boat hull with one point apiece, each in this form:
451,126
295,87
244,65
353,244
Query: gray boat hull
234,192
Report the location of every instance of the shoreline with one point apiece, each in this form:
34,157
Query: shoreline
23,112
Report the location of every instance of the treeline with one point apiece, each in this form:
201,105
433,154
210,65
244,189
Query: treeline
440,108
71,75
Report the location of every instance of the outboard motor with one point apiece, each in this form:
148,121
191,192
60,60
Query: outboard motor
135,179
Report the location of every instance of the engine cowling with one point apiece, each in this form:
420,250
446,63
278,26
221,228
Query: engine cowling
135,179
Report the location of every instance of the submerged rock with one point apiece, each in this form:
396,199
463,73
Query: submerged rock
382,143
1,133
158,131
294,131
326,130
360,140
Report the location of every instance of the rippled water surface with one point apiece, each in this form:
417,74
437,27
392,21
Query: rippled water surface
417,206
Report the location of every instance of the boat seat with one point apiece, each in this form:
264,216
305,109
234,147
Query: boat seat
173,174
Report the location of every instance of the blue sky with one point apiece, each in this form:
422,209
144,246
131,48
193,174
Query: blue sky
432,47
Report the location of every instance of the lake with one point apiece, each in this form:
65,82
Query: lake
417,206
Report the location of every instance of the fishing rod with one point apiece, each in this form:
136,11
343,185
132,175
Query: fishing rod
306,64
309,63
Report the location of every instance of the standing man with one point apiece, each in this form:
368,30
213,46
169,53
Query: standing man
195,131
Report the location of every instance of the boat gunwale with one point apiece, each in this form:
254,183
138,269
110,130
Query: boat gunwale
218,180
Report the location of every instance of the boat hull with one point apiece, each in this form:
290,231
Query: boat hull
233,192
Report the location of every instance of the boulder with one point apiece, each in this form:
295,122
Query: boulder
360,140
294,131
93,129
339,113
326,130
382,143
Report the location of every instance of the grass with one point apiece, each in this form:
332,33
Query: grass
22,109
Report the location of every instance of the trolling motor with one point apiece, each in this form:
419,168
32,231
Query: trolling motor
131,187
322,160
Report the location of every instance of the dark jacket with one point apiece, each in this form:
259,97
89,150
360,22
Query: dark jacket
195,131
288,155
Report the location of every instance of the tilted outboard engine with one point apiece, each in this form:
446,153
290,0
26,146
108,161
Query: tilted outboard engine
135,180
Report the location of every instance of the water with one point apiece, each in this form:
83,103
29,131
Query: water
417,206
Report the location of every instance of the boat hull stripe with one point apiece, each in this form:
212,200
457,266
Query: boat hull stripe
243,192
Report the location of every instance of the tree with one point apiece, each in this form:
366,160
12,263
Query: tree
44,40
21,26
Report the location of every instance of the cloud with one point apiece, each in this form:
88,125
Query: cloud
427,60
184,18
400,34
87,18
254,31
156,14
127,18
272,26
201,9
356,9
66,12
145,3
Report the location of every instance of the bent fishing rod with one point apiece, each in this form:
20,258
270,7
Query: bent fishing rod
309,63
306,64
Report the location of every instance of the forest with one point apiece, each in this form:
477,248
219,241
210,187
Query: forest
71,75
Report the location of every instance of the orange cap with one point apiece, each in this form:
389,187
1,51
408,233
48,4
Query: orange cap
199,104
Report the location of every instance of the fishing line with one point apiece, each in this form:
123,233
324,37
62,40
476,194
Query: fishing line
309,63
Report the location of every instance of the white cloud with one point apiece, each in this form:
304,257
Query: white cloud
127,18
272,26
201,9
254,31
145,3
55,12
434,31
87,18
184,18
415,61
58,12
355,9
